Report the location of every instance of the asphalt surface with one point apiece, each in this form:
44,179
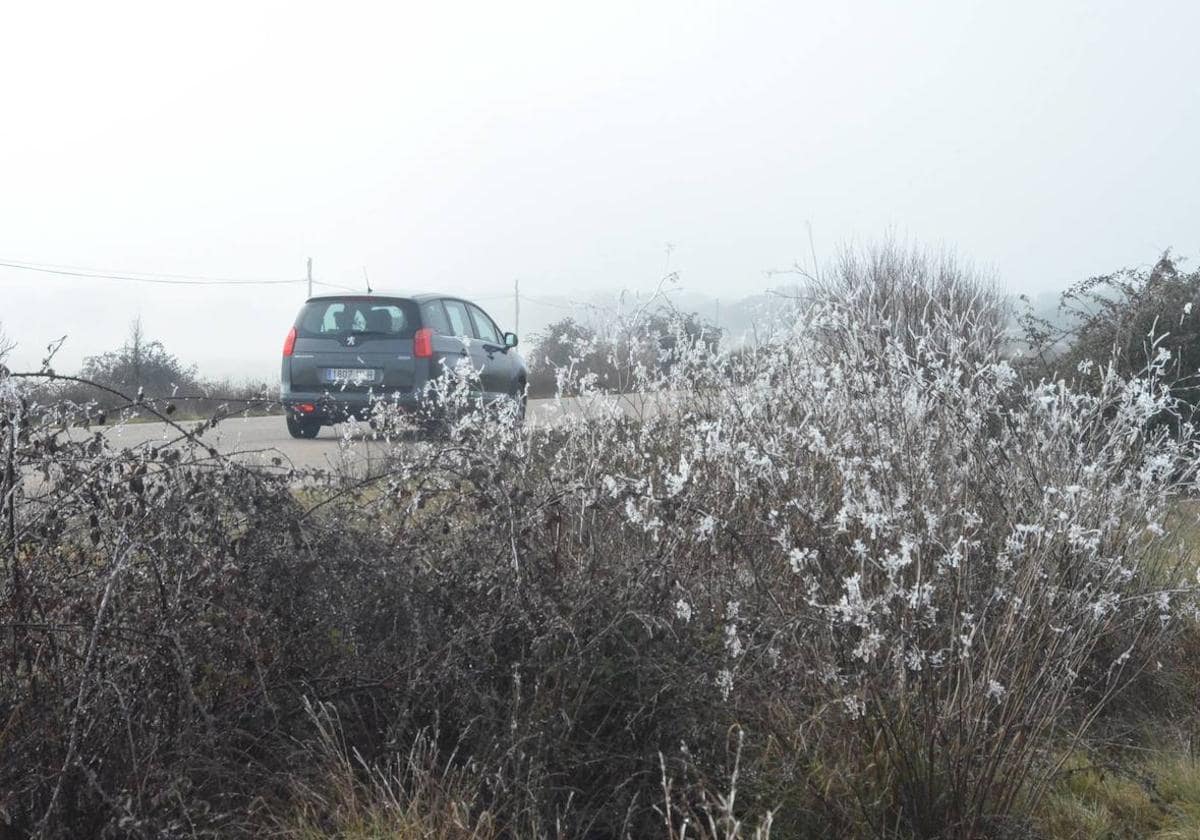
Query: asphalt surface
263,439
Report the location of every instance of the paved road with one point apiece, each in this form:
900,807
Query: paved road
259,439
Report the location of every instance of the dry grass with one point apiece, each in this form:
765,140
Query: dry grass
424,796
1153,797
412,796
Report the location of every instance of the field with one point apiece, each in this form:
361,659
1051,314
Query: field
867,578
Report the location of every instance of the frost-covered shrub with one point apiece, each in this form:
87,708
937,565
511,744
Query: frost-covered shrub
903,573
929,563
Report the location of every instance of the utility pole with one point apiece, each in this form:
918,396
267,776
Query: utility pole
310,276
717,321
517,306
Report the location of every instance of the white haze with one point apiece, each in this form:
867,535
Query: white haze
460,146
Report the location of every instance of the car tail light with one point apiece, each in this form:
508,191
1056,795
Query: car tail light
423,343
289,343
306,408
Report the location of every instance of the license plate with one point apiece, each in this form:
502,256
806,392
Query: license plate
353,376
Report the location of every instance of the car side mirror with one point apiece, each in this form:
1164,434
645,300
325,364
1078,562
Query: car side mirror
510,340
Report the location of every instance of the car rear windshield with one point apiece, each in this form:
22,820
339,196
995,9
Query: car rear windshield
394,317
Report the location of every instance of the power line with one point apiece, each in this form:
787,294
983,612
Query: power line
164,279
141,277
336,286
547,302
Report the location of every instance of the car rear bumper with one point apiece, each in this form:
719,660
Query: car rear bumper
335,407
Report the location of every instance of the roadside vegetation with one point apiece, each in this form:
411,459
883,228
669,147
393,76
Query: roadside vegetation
142,369
872,576
612,352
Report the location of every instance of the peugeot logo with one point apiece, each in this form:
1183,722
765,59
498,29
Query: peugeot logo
349,341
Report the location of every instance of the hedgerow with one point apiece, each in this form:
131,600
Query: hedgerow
862,580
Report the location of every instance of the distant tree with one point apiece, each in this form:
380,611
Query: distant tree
668,327
567,344
561,341
141,363
1127,318
606,354
6,347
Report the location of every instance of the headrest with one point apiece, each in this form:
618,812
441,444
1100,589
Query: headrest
379,320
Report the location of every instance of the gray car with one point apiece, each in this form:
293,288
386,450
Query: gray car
344,352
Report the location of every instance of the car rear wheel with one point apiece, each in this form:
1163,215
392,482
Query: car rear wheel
307,429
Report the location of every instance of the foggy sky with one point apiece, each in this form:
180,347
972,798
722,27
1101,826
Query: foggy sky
459,146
